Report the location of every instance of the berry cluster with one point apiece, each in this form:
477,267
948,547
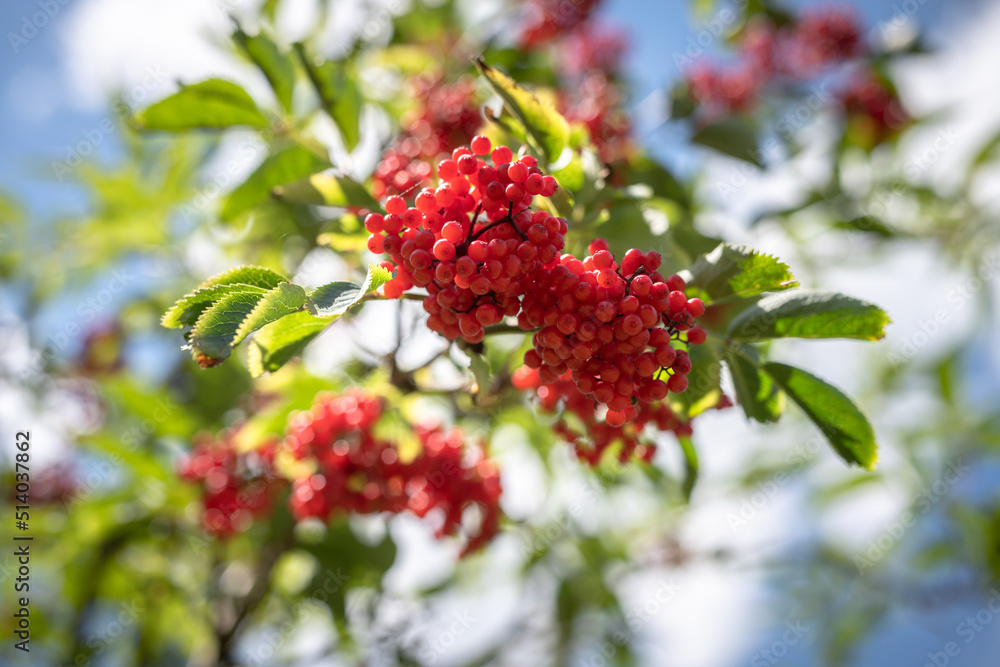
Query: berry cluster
596,103
819,39
598,436
547,20
446,116
592,46
825,35
612,327
358,472
873,109
473,243
236,487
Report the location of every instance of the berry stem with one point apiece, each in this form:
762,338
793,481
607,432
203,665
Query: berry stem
503,329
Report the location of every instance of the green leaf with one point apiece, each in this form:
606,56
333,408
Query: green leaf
334,299
645,170
731,136
275,65
189,307
690,466
737,271
277,343
337,87
283,300
327,190
257,276
809,314
211,104
547,129
756,392
703,390
480,367
836,415
866,224
212,339
287,166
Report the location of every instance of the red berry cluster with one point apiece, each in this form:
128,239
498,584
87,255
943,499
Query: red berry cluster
825,35
473,243
446,116
874,110
598,436
547,20
819,39
612,327
358,472
592,46
52,484
596,102
236,487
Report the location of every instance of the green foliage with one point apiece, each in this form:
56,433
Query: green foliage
327,190
835,414
737,272
286,166
213,104
228,310
756,392
809,314
547,131
276,66
731,136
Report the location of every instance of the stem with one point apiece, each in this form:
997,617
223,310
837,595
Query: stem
504,329
227,639
406,295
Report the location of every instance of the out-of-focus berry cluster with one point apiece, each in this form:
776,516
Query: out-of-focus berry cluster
359,472
236,488
815,43
355,471
445,116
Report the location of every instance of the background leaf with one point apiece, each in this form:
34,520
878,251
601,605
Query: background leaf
327,190
276,66
286,166
211,104
733,137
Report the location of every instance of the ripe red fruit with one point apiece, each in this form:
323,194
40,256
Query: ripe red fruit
677,384
696,335
480,145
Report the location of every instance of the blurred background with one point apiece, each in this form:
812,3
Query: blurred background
784,556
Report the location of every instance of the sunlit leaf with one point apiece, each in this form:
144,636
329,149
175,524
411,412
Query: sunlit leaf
836,415
210,104
809,314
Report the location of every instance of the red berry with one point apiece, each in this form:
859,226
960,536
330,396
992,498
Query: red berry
480,145
395,205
